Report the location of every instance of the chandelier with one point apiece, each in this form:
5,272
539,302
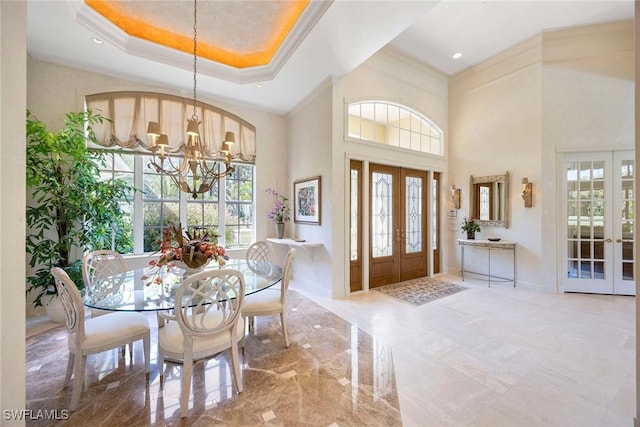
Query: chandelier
194,174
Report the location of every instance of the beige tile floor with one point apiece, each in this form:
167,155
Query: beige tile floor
492,357
504,356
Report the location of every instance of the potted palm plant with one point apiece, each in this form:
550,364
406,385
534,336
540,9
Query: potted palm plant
70,209
470,227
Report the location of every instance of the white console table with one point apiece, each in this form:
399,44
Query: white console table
307,246
488,246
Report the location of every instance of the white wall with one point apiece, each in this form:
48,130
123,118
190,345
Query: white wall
568,90
13,67
309,155
494,123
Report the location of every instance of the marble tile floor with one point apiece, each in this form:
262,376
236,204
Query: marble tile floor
502,356
326,377
505,356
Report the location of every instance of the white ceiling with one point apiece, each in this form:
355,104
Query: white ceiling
346,34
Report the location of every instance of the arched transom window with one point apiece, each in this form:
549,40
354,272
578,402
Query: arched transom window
394,125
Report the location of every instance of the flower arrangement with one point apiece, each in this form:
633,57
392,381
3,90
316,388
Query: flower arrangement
193,249
470,226
280,211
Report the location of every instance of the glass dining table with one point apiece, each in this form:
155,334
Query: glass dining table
137,294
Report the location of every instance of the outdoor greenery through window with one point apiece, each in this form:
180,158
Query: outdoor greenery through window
160,203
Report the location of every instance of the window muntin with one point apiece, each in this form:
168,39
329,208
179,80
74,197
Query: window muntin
394,125
161,203
239,206
121,167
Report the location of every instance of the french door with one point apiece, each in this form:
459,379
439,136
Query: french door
599,226
398,224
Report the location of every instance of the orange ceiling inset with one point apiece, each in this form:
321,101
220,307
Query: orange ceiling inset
236,33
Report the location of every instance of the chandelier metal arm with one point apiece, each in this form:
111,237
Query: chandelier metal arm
193,175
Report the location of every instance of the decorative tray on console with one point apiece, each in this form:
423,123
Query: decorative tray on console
493,239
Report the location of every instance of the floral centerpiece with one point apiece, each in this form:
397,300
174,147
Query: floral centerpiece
180,248
280,211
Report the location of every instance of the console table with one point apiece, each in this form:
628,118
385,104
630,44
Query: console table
488,246
307,246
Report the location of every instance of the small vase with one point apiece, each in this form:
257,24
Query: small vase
280,229
471,235
189,271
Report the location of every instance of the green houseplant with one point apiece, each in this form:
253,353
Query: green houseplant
71,208
470,227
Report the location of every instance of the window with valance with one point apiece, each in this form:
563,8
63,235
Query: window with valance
130,112
227,209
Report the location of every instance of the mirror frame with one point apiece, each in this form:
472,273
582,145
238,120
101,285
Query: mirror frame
473,199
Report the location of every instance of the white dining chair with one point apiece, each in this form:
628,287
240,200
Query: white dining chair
103,272
208,320
90,336
260,251
270,302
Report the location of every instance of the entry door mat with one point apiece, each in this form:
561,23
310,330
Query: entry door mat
420,291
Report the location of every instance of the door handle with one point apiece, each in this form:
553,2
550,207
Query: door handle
624,240
609,240
398,235
403,236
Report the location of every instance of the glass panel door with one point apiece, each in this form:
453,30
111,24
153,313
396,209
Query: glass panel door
398,225
599,226
413,215
384,223
382,214
413,224
624,201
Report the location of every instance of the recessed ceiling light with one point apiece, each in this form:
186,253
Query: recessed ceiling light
457,55
96,40
258,84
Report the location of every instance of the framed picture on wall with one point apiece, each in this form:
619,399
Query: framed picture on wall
306,201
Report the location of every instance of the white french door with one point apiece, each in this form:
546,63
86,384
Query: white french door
599,226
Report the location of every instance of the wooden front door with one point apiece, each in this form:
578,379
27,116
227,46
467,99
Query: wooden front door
398,225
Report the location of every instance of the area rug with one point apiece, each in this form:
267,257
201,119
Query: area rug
420,291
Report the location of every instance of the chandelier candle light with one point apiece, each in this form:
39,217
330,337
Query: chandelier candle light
195,174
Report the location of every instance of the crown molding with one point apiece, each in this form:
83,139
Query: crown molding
588,41
523,55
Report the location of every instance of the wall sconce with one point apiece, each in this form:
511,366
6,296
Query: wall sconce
527,192
455,197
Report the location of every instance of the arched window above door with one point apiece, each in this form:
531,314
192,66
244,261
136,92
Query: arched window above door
394,125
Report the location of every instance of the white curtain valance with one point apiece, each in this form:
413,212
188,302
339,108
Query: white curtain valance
130,112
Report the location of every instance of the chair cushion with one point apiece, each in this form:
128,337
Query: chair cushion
171,340
263,302
113,329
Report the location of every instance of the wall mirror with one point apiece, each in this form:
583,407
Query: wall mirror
489,200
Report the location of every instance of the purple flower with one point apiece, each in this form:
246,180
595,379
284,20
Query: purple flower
280,211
